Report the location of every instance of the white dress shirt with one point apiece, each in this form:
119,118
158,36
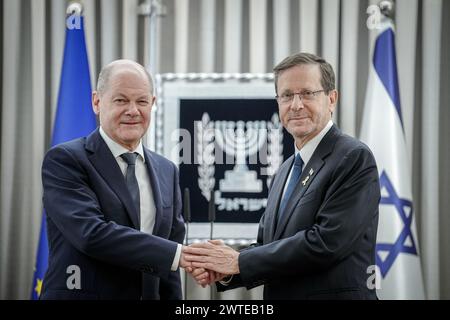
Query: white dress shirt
308,149
147,202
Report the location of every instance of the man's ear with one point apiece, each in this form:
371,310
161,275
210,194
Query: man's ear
333,98
95,102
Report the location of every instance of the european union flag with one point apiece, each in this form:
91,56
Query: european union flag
74,119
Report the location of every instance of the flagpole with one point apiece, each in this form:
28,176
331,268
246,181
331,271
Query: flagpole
153,10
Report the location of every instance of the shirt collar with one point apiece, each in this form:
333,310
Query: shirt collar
308,149
117,149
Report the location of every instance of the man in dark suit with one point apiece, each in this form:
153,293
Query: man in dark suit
113,206
316,239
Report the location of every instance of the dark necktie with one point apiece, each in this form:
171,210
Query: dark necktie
130,178
295,176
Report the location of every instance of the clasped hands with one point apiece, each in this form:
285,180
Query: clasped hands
210,261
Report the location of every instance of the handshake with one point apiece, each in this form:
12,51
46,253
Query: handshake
209,262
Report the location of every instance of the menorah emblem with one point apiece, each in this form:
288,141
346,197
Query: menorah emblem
240,140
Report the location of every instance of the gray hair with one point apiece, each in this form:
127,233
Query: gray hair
107,71
326,70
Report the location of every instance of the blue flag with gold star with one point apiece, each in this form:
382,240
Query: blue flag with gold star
74,119
397,249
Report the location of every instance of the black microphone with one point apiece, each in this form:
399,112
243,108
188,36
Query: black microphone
187,205
212,207
211,219
187,219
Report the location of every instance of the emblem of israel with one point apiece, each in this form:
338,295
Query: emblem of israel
241,142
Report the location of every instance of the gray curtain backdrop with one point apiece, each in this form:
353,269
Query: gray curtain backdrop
222,36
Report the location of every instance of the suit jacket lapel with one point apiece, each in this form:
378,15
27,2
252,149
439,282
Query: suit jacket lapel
103,160
154,181
309,172
274,199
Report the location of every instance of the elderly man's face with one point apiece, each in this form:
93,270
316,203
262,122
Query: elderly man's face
304,119
124,108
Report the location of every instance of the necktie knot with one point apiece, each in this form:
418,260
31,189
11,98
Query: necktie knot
131,180
130,158
298,162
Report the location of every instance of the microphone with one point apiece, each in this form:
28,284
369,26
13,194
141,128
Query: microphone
187,205
211,219
211,212
187,212
187,219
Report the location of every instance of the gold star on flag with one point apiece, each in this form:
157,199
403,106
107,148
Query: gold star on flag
38,287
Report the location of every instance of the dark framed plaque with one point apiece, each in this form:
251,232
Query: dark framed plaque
224,133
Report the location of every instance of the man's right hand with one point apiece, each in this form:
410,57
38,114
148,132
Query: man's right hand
202,276
183,262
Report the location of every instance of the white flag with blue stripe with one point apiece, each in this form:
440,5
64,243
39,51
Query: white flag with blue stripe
397,249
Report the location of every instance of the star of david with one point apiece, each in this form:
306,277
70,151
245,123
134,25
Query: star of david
403,207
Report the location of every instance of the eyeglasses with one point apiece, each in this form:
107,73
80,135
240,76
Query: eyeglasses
305,96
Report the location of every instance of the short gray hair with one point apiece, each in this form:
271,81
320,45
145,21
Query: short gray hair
326,70
107,71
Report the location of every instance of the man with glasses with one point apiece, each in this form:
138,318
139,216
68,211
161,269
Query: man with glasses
316,239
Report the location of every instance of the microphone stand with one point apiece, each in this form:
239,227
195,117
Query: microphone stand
187,219
211,219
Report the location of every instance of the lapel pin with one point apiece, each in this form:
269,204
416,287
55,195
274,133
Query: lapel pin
311,172
305,181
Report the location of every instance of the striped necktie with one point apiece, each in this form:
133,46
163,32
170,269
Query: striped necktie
295,176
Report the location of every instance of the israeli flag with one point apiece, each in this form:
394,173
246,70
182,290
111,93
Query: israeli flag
397,248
